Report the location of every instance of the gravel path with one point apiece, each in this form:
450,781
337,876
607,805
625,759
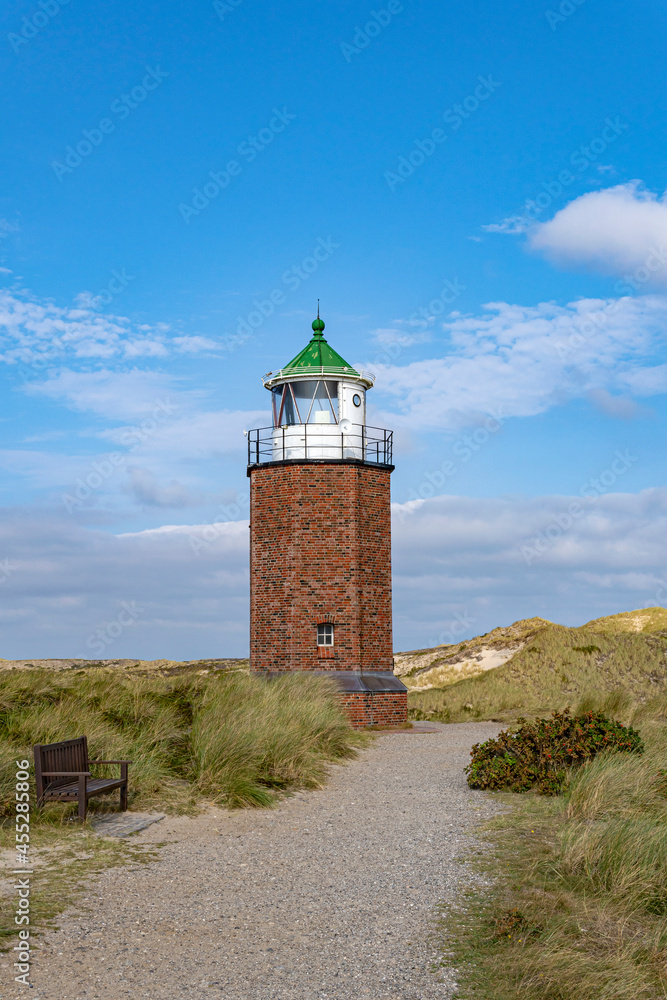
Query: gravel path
331,895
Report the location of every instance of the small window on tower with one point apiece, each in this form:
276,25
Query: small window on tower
325,635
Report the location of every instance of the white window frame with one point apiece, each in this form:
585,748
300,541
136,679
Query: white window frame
325,634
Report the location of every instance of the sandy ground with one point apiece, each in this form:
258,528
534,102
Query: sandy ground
142,665
333,894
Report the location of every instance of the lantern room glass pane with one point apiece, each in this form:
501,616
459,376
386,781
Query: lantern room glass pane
290,414
276,400
325,403
303,393
311,401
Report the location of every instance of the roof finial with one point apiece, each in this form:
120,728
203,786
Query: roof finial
318,324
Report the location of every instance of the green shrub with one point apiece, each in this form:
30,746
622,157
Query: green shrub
538,753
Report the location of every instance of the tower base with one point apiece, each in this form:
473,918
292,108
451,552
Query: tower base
375,708
371,699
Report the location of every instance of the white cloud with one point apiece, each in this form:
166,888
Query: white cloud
42,469
145,348
36,334
145,489
194,345
522,360
621,407
165,418
616,231
39,334
188,436
110,394
513,225
402,335
182,529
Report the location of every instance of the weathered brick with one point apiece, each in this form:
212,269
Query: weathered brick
320,539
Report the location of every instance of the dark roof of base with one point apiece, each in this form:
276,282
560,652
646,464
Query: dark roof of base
357,680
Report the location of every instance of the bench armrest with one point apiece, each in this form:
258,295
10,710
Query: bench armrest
64,774
109,761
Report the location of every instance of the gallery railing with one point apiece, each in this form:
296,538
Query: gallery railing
317,442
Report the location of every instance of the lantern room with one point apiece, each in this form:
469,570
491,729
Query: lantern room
318,404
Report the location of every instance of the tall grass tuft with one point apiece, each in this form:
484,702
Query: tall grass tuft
252,739
235,738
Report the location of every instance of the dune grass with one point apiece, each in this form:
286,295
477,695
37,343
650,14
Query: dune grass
232,738
252,739
558,667
577,908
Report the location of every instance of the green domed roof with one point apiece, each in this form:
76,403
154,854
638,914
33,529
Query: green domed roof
317,355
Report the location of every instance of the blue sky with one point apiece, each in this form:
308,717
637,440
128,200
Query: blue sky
476,196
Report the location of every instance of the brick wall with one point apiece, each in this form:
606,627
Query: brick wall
320,551
382,708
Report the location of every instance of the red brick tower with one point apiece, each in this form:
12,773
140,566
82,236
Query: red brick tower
320,534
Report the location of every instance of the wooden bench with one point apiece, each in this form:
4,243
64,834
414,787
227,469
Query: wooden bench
62,772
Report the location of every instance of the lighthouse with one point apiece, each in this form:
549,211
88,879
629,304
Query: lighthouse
320,534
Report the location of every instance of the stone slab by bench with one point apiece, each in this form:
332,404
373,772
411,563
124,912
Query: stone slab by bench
123,824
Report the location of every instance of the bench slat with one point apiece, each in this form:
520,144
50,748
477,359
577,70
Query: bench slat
95,787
